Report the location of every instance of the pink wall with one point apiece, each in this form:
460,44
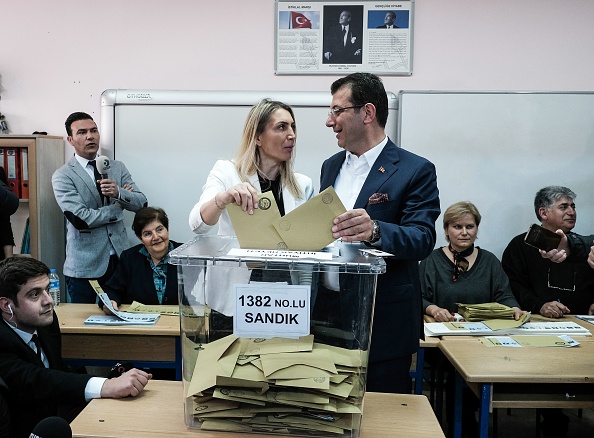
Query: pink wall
58,57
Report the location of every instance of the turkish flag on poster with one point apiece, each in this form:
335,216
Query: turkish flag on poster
299,21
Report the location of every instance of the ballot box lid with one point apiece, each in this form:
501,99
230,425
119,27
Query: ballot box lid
346,257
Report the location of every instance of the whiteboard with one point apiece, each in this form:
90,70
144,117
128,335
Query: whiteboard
498,149
170,139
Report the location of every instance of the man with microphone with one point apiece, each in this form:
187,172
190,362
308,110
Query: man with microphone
30,353
93,197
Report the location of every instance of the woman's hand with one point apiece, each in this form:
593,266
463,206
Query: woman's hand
518,313
439,314
243,194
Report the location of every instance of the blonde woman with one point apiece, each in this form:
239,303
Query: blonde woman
264,162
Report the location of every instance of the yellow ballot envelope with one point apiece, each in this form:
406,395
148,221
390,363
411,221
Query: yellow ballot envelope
309,226
255,231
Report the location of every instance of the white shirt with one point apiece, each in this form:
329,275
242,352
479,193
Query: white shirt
348,185
85,165
94,385
354,172
346,34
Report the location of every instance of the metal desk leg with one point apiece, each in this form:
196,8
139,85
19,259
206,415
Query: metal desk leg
419,371
458,387
178,359
484,410
438,383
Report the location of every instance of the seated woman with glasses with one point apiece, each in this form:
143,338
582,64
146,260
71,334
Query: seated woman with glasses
461,272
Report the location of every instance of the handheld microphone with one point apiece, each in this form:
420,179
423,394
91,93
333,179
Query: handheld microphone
52,427
103,165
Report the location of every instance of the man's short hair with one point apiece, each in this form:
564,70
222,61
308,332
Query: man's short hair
547,196
16,271
366,88
75,117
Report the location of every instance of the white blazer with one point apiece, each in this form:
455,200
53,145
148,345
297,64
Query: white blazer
223,176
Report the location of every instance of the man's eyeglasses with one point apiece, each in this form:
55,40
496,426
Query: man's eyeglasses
336,111
559,287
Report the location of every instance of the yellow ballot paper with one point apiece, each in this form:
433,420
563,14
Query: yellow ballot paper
309,226
255,231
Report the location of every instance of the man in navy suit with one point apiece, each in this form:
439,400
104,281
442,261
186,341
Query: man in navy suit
393,203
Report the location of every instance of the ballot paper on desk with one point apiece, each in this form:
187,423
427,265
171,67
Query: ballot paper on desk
529,341
494,327
118,317
587,318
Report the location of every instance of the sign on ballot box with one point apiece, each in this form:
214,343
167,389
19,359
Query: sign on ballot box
268,346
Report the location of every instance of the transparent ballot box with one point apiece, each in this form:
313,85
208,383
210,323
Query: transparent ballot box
275,342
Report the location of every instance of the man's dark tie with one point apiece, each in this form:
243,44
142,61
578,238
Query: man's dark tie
35,340
97,177
344,32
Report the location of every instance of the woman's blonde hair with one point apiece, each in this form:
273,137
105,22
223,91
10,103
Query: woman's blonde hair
247,159
457,211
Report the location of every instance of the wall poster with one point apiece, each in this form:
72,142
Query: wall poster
338,37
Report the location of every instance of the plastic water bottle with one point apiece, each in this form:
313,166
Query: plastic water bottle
54,287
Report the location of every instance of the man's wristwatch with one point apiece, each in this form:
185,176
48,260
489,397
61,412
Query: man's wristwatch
376,234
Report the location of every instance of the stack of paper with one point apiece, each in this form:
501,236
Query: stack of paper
480,312
278,385
482,329
118,317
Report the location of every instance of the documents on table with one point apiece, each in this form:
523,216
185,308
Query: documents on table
118,317
587,318
529,341
161,309
306,228
276,386
484,329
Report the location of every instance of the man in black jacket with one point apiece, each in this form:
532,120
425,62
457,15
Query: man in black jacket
30,352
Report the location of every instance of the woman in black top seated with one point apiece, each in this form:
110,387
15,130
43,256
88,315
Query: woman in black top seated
143,273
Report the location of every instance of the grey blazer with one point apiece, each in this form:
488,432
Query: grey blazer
92,226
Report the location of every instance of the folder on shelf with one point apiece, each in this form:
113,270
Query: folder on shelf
24,173
13,170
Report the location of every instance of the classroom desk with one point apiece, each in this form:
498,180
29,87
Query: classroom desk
159,412
156,346
520,377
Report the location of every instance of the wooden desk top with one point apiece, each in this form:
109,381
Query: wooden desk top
72,318
479,363
158,412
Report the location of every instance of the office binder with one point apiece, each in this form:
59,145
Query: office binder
3,165
24,173
13,170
